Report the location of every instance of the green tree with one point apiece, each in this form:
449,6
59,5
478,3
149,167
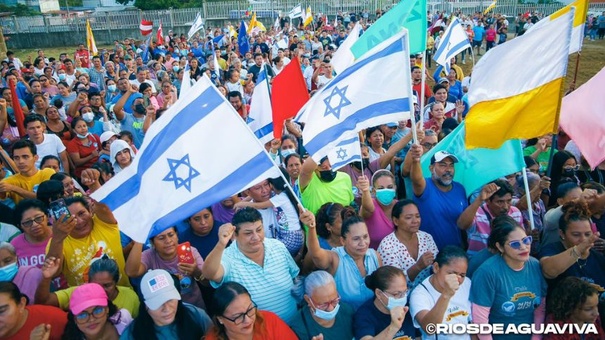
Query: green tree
20,10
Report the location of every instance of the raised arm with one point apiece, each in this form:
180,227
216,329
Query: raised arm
465,220
307,172
323,259
134,267
367,204
553,266
213,269
418,181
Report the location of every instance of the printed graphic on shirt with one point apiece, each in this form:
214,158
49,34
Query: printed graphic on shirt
523,299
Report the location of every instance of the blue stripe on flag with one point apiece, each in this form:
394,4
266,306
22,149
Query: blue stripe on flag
348,124
396,47
244,174
197,110
346,161
348,141
444,40
265,130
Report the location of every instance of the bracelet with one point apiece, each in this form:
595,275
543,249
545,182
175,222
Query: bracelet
200,277
574,252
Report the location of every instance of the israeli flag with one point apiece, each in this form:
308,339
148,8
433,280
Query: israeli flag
347,151
179,170
198,24
454,41
296,12
349,104
260,118
186,82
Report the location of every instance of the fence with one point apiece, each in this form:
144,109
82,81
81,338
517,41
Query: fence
235,11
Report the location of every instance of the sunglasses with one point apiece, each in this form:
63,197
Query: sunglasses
527,240
29,223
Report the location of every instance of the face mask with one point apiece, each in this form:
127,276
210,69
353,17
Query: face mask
61,76
365,162
140,109
112,88
568,173
322,314
88,117
286,152
385,196
175,68
7,273
327,175
83,136
183,52
401,302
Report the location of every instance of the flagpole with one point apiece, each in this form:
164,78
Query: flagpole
422,90
411,105
530,209
575,75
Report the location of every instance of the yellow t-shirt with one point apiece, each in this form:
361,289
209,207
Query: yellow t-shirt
27,183
126,299
79,253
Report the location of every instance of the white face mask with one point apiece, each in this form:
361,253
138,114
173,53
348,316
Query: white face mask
322,314
286,152
88,117
393,302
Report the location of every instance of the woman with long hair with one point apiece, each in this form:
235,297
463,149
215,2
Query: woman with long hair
237,317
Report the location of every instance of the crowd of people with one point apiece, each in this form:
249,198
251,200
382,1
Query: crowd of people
378,250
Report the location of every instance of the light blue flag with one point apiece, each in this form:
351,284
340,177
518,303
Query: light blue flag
409,14
179,170
345,152
260,118
454,41
477,167
347,104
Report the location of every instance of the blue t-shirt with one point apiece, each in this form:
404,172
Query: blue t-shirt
368,320
135,126
97,128
440,211
512,296
203,244
479,33
127,105
592,270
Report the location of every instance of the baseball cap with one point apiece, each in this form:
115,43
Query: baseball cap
157,287
441,155
392,125
105,136
85,296
443,80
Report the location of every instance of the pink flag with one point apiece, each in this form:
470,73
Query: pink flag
583,118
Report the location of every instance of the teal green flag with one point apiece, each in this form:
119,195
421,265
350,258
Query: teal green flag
410,14
477,167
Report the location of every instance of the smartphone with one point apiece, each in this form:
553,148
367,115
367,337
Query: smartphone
145,101
184,253
58,208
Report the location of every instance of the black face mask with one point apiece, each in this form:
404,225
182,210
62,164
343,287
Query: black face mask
569,173
140,109
365,162
327,175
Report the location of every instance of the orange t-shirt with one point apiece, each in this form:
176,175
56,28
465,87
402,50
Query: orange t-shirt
275,329
39,314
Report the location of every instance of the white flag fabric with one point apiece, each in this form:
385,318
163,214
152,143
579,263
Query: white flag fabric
454,41
343,57
345,152
198,24
186,82
347,104
296,12
276,24
179,170
260,118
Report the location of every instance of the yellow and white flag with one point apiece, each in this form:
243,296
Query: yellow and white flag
255,25
506,104
577,35
308,17
490,7
90,40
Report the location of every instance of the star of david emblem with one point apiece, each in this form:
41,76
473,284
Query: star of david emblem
339,94
249,120
341,154
172,176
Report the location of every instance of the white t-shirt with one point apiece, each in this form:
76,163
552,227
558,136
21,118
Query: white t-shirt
308,75
323,80
137,84
269,221
51,145
425,296
287,218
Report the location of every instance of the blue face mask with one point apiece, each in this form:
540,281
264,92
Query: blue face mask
286,152
393,302
7,273
322,314
385,196
62,76
175,68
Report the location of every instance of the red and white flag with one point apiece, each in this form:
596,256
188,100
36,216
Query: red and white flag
160,35
146,27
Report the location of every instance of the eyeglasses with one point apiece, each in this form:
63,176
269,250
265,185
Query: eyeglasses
429,145
527,240
327,305
576,167
29,223
239,319
397,295
97,313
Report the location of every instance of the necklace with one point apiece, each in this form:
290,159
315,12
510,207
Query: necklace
581,265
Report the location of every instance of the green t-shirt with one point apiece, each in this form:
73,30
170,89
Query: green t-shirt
126,299
543,157
318,193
